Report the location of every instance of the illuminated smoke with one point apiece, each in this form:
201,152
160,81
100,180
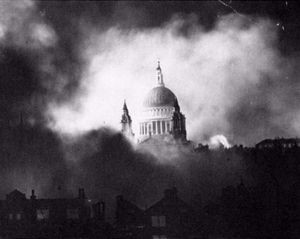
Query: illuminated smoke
210,72
218,141
21,25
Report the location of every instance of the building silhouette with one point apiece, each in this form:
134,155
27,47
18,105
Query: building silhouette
51,218
278,143
170,217
129,221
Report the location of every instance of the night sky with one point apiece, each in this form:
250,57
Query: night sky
67,66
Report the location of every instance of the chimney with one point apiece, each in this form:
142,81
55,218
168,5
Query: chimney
99,210
81,194
32,197
102,210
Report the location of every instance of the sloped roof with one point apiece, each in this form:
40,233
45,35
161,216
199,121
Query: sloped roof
15,194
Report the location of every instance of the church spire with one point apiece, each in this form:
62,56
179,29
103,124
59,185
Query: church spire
160,80
125,109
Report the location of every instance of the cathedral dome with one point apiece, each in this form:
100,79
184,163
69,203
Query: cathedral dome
161,117
160,96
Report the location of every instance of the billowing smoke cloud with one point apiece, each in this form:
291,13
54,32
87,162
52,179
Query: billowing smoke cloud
229,80
32,158
31,155
106,165
21,25
220,77
36,67
30,75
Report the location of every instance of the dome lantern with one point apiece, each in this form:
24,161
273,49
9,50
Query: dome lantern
160,79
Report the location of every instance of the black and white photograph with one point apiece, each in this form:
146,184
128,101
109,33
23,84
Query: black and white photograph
149,119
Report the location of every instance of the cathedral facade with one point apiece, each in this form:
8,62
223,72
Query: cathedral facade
161,118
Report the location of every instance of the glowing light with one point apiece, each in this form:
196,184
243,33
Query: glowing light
218,141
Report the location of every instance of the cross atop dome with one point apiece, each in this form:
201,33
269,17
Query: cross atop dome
160,80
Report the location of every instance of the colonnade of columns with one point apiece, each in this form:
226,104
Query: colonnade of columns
155,127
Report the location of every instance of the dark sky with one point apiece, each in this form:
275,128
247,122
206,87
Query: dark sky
149,14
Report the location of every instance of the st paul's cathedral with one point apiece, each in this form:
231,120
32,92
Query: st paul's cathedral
161,119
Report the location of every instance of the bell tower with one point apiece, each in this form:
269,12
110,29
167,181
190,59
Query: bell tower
126,122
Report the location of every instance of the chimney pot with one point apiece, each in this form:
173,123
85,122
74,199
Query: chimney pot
32,194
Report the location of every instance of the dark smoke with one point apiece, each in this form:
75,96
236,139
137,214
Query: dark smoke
31,158
106,165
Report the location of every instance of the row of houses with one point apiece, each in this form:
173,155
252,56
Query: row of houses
170,217
266,144
50,218
78,217
279,143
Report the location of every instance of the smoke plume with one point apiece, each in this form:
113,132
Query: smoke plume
229,80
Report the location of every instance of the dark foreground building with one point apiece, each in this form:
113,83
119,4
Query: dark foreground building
78,217
170,217
266,208
51,218
129,219
278,143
